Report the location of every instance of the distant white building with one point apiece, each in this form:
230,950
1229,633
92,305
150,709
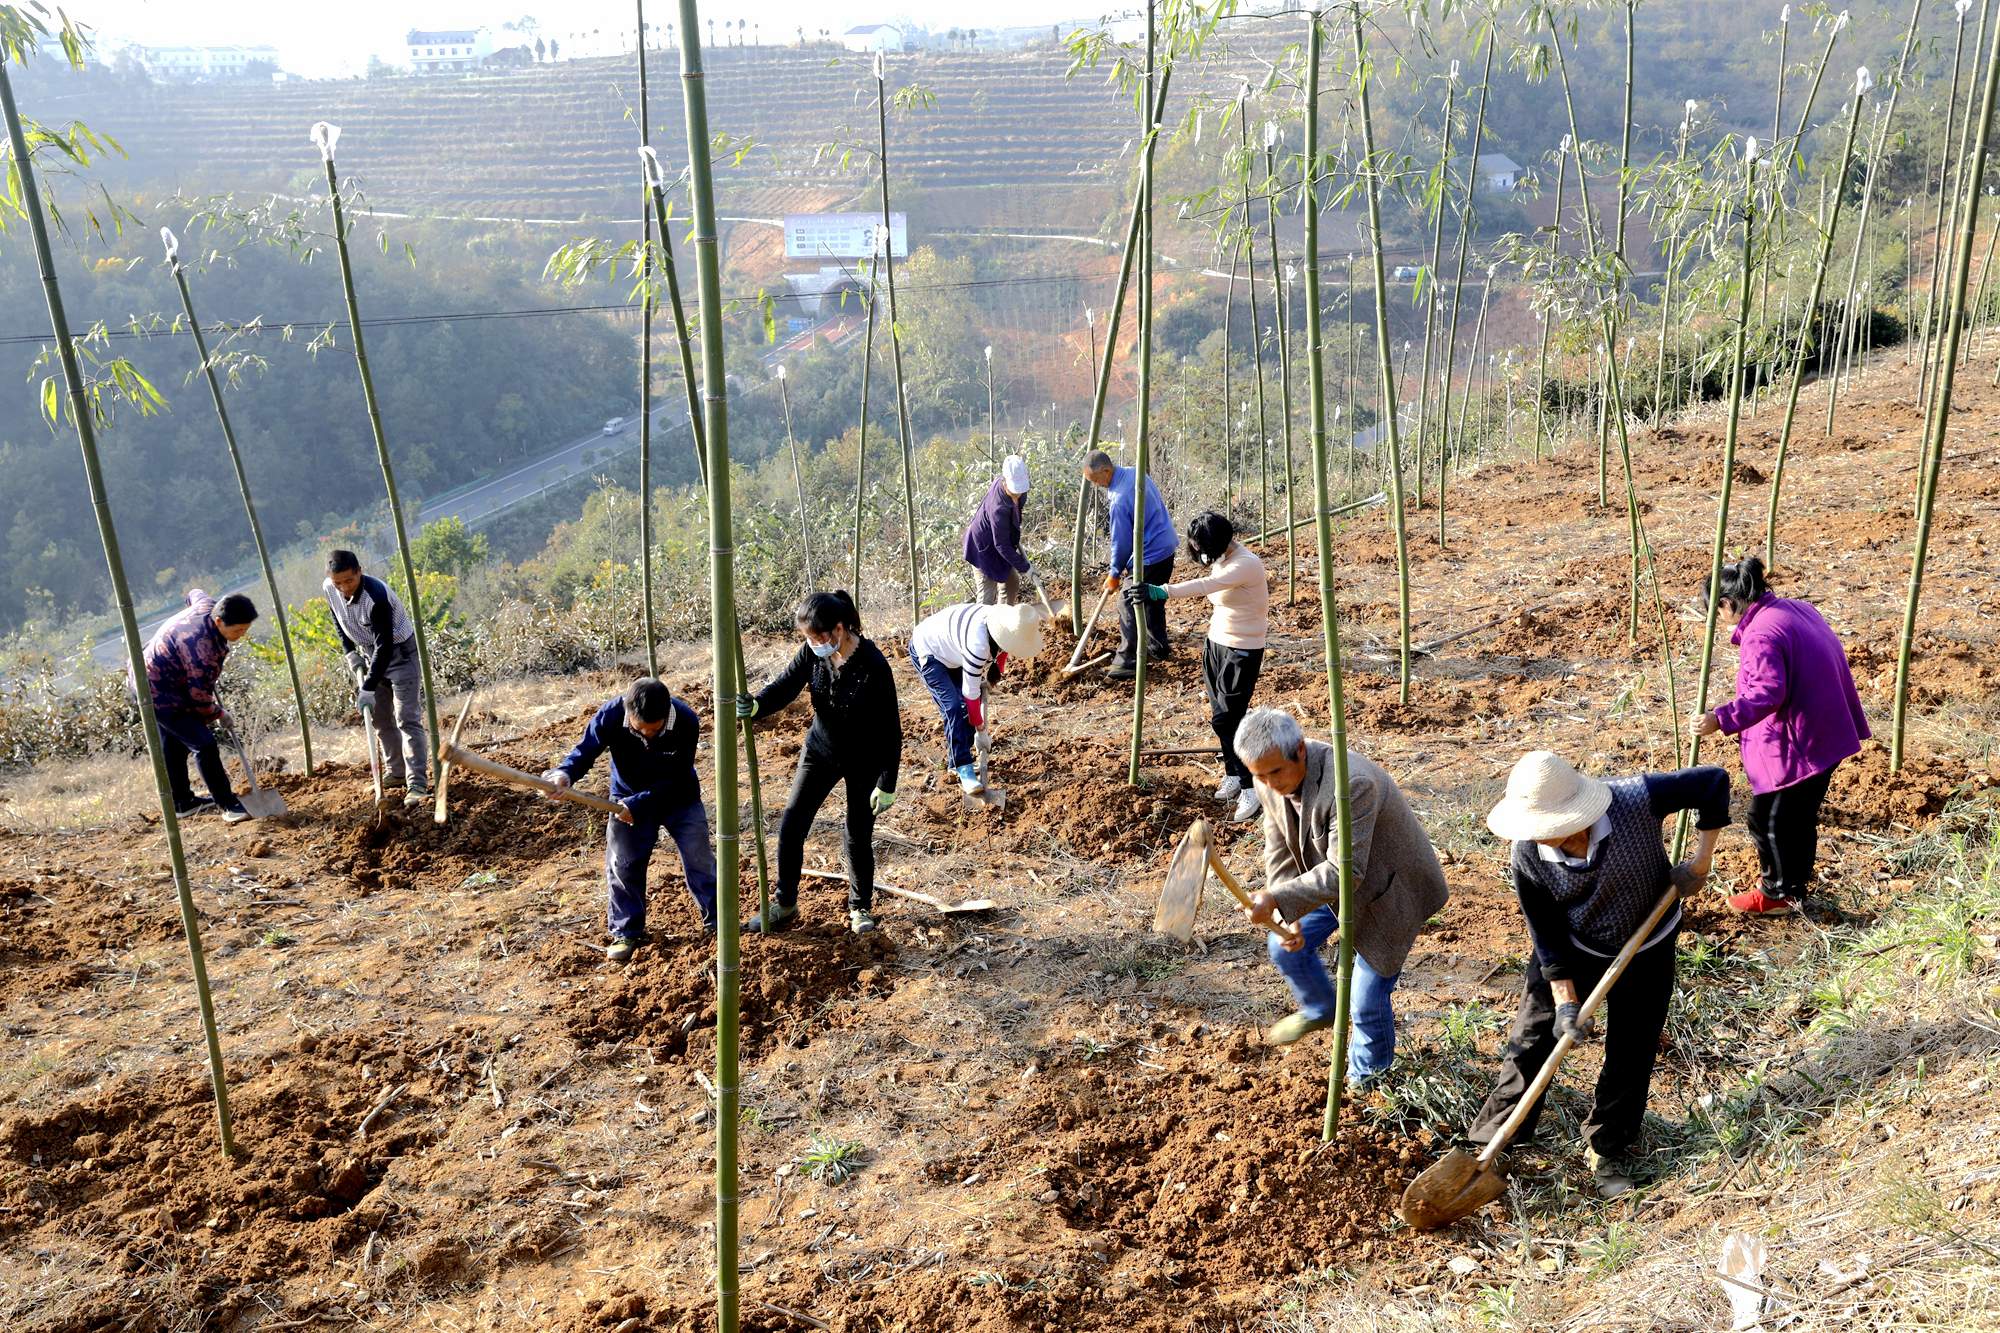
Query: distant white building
192,63
1498,173
873,37
445,50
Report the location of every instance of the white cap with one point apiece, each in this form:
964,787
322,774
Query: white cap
1014,474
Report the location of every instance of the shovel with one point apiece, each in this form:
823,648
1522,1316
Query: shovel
1036,577
987,797
1187,874
367,704
1461,1184
970,907
261,802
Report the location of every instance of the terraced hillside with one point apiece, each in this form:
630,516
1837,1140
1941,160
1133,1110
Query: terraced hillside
557,141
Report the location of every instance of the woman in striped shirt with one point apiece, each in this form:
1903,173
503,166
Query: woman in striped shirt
970,642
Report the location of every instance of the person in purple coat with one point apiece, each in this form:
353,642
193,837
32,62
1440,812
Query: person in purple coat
1796,716
993,541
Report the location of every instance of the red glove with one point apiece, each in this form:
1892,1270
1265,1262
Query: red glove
999,666
975,709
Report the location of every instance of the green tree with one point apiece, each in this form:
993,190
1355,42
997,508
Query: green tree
447,546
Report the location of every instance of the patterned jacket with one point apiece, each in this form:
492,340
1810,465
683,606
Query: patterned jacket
184,660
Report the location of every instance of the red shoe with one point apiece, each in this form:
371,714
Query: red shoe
1756,902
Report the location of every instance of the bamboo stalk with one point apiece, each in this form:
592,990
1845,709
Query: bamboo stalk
1469,216
1142,437
646,364
861,447
1940,418
1555,252
326,135
30,202
722,610
1667,293
798,480
1228,422
1862,83
1925,333
992,427
1964,137
1431,286
1284,368
243,486
656,183
1083,485
896,345
1256,329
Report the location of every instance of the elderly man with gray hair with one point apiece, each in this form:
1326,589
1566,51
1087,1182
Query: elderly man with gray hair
1398,884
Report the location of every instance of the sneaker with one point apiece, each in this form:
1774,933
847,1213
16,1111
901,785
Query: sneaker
232,812
196,805
968,780
1120,669
1247,807
417,797
1231,788
860,920
620,949
1293,1026
1609,1176
783,914
1756,902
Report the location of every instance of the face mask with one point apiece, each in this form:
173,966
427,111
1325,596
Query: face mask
1202,558
823,650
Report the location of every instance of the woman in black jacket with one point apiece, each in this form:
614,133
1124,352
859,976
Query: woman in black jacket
856,738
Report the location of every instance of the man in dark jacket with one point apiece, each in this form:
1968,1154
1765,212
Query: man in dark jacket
993,541
1589,867
183,665
651,737
380,641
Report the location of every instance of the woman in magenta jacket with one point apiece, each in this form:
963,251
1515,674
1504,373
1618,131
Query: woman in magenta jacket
1796,715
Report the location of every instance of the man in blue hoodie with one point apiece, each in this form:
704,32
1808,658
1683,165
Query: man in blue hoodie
1158,557
651,737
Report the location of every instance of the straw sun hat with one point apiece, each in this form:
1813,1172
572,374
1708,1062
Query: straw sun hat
1017,629
1546,798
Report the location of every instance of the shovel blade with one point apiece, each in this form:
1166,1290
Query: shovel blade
1180,896
1456,1186
262,802
991,798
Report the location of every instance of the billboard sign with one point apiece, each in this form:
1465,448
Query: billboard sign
842,235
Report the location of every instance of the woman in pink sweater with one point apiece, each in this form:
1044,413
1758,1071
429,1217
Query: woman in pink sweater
1796,716
1231,660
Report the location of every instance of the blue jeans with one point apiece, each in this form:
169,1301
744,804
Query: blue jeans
950,700
1374,1043
628,850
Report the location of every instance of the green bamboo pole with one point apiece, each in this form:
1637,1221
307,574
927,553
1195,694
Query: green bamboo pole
656,183
1862,83
722,597
798,480
1284,365
1370,172
1256,328
896,346
1555,252
1083,485
1336,701
1940,417
861,446
242,485
646,365
1667,293
1431,282
1720,544
1352,375
86,436
1469,216
1142,441
1964,138
1927,331
1478,336
1228,421
326,136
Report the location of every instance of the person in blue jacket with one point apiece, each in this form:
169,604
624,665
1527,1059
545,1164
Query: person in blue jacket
651,737
1157,565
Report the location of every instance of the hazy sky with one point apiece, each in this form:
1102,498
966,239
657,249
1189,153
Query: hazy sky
321,38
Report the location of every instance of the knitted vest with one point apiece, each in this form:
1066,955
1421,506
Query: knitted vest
1609,898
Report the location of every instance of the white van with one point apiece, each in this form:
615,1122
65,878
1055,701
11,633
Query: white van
613,426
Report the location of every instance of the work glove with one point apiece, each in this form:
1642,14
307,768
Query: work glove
1569,1020
975,712
1145,592
355,661
746,707
1111,583
880,801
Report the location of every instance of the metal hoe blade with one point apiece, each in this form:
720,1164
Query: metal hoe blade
1456,1186
1180,896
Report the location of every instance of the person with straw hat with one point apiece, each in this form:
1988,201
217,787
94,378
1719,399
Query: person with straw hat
1589,865
956,651
993,540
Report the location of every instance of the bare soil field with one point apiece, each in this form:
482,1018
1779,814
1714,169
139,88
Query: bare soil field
453,1114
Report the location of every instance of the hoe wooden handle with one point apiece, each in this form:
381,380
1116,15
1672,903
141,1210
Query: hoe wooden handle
494,769
1288,929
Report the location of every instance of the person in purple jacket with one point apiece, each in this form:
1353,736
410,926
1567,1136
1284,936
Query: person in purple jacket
993,541
183,665
1795,716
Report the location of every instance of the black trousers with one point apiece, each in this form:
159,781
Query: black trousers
1785,826
1637,1017
1156,618
182,734
818,774
1230,677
